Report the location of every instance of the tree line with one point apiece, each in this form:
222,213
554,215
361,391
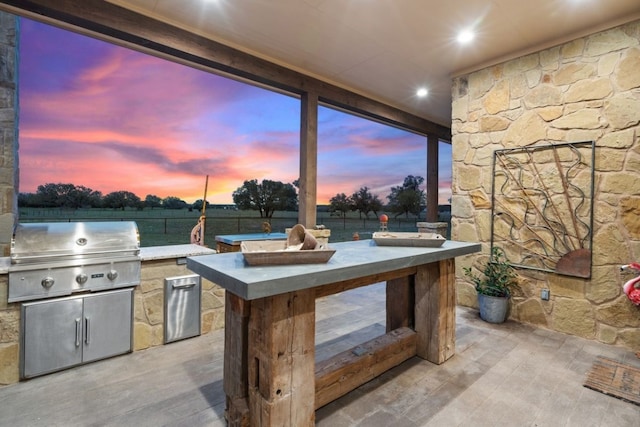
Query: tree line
404,199
266,197
70,196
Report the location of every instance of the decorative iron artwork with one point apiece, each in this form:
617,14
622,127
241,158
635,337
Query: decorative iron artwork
542,206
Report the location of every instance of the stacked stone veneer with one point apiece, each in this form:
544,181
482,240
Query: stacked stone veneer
8,129
587,89
9,336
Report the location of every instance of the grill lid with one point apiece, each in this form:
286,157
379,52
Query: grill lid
42,242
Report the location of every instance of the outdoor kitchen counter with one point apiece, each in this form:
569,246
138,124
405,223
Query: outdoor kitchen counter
158,263
173,251
269,360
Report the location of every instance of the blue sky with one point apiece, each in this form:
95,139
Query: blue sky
110,118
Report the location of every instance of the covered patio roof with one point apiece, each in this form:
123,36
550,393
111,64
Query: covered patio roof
367,58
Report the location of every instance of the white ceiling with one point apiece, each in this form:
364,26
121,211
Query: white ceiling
386,49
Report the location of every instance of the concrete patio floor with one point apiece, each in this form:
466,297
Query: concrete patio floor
502,375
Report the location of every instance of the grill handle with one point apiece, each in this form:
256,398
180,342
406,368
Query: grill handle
78,328
185,286
18,258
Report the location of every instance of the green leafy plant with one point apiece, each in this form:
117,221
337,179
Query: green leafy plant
498,276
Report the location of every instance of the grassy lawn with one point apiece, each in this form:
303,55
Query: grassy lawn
159,227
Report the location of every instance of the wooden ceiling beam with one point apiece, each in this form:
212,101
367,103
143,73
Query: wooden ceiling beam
122,26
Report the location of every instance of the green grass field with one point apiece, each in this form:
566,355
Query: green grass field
159,227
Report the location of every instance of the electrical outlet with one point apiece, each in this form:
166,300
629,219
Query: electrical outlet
544,294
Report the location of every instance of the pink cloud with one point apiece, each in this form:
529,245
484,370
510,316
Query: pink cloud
113,119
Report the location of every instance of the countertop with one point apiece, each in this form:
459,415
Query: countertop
146,254
173,251
351,260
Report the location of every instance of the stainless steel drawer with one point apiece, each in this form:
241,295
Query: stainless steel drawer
182,305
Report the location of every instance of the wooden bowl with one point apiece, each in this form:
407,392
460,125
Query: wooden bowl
296,235
300,236
309,242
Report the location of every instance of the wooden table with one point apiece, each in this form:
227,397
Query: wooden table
270,375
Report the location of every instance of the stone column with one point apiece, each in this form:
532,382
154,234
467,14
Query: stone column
440,228
9,28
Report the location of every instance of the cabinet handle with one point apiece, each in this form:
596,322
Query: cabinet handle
185,286
87,331
78,332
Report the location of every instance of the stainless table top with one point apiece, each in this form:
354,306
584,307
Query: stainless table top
351,260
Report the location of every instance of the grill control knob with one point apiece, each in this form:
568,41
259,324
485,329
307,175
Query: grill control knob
82,278
112,275
47,282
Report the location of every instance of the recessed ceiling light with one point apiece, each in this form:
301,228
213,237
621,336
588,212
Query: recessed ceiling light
465,36
422,92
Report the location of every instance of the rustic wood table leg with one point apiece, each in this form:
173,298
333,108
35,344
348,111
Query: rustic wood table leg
435,310
282,360
235,383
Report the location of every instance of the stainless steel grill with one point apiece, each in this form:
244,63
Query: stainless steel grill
57,259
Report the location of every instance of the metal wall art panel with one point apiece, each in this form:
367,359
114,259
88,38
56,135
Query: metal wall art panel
542,206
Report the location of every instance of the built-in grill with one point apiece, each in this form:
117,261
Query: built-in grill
61,258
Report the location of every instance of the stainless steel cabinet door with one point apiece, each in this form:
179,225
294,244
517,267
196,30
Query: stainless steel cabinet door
182,302
52,336
107,324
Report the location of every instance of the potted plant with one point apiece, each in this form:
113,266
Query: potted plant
494,287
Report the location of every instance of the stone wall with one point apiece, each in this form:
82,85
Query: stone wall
587,89
9,336
8,128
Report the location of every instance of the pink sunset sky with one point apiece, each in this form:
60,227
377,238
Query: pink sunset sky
110,118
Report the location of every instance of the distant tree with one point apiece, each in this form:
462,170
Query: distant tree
28,200
173,202
408,197
266,197
66,196
83,196
365,202
376,205
197,205
340,204
49,195
152,201
121,200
